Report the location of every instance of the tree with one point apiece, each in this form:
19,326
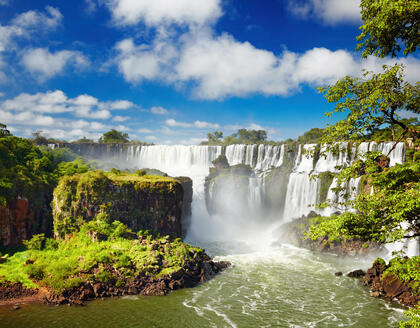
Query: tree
3,131
214,137
251,136
312,136
371,102
389,26
114,136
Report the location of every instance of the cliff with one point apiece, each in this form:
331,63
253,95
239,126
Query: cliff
227,188
19,220
153,203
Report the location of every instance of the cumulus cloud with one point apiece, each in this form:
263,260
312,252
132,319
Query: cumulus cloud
157,12
26,118
144,130
119,118
54,102
139,62
35,19
197,124
158,110
27,23
119,105
201,61
48,64
329,11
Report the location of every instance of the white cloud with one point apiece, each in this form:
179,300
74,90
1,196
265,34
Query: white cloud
197,124
205,125
144,130
329,11
122,128
119,118
54,102
158,110
26,118
191,141
47,64
120,105
28,23
151,138
158,12
49,102
248,70
36,19
4,2
137,63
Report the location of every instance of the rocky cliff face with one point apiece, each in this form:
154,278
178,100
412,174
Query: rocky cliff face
141,202
19,221
227,189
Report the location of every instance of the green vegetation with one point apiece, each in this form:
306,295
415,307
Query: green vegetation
82,258
407,270
126,197
32,172
114,136
243,136
371,102
389,26
381,215
312,136
413,318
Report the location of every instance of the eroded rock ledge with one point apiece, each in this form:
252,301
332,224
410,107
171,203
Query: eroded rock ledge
294,233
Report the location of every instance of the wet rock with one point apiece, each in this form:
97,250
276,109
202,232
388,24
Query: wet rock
16,307
338,274
356,274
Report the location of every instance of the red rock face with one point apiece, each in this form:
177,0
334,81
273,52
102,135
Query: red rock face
16,222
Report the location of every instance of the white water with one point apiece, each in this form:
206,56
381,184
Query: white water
302,192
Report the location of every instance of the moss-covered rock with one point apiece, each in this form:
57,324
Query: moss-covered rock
84,267
153,203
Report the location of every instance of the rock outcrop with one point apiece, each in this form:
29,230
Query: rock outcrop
389,285
151,203
19,221
196,273
294,233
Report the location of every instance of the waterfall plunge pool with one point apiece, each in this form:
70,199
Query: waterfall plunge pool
273,286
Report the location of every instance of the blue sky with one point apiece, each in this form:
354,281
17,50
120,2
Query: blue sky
169,71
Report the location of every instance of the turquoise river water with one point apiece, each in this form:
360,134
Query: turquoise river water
274,286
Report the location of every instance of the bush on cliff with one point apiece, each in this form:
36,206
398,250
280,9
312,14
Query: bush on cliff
83,258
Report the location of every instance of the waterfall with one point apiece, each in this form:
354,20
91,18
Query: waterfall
255,192
301,194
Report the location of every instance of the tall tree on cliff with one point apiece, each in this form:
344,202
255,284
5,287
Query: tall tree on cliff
375,100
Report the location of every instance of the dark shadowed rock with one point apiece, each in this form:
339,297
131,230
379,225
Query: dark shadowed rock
356,274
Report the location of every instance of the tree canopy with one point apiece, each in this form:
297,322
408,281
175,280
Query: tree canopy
242,136
312,136
389,27
114,136
371,102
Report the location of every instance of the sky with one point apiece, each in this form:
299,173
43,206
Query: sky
169,72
